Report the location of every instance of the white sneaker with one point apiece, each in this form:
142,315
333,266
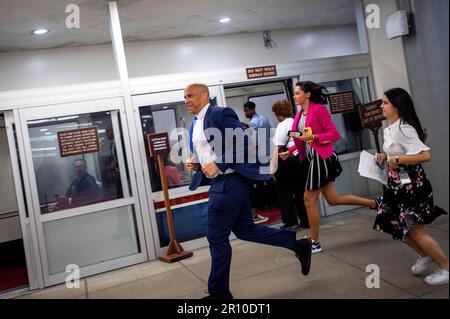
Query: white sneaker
315,247
260,219
440,277
421,265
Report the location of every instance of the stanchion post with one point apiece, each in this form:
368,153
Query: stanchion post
159,145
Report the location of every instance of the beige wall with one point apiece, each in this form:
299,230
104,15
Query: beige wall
387,56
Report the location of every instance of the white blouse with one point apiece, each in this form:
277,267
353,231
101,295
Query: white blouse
402,139
281,134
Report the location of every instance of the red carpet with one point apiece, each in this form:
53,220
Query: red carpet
13,277
273,213
13,271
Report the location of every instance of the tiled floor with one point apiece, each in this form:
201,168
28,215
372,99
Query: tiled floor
260,271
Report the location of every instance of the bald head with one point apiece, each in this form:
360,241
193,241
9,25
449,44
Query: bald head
203,88
196,97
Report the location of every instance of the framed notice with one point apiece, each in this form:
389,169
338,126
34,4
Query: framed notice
342,102
158,143
371,114
78,141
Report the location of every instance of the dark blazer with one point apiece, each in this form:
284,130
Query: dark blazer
229,155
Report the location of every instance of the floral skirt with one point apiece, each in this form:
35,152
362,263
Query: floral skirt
405,205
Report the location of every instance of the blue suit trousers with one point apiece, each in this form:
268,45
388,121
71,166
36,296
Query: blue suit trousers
229,210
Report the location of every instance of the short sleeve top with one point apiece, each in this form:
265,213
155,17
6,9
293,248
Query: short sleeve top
401,138
281,134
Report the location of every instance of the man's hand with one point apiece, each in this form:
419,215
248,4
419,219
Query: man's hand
210,170
190,164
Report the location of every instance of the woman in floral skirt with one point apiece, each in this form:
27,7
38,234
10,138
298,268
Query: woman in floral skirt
407,202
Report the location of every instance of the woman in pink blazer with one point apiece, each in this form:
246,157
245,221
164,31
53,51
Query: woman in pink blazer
317,148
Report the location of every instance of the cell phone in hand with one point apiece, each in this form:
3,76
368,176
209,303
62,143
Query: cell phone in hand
296,134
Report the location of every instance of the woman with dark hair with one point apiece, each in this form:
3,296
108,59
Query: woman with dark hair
407,202
317,148
290,174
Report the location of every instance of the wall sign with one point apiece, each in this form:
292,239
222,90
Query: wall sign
261,72
78,141
371,114
342,102
158,143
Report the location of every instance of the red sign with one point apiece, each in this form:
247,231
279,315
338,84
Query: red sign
342,102
158,143
261,72
78,141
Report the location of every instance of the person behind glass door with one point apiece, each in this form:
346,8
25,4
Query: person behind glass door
259,124
317,148
84,189
229,206
112,164
407,202
290,173
173,175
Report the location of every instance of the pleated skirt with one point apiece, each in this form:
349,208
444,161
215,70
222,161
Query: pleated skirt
321,171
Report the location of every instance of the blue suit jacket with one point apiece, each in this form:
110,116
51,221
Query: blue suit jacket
222,118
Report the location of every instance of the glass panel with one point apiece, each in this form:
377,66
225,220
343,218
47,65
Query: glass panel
354,137
8,198
22,184
91,238
190,222
175,119
78,180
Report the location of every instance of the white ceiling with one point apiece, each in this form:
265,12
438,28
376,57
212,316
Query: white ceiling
160,19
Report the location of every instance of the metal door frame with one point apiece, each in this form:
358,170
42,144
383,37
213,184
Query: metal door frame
67,109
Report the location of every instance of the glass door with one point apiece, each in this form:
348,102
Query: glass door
166,112
17,263
83,191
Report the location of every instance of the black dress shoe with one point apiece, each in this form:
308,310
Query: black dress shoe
228,296
303,253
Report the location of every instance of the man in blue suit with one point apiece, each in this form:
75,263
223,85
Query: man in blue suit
230,177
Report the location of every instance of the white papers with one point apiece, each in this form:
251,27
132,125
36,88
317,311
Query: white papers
369,168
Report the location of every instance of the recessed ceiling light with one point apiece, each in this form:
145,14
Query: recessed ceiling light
225,20
40,31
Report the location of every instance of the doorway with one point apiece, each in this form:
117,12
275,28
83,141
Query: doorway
263,94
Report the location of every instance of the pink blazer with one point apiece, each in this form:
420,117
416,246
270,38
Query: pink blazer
322,126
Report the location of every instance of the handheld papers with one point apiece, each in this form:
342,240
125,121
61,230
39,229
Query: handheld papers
368,168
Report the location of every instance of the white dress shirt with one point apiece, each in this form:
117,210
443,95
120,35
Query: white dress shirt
401,139
203,150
